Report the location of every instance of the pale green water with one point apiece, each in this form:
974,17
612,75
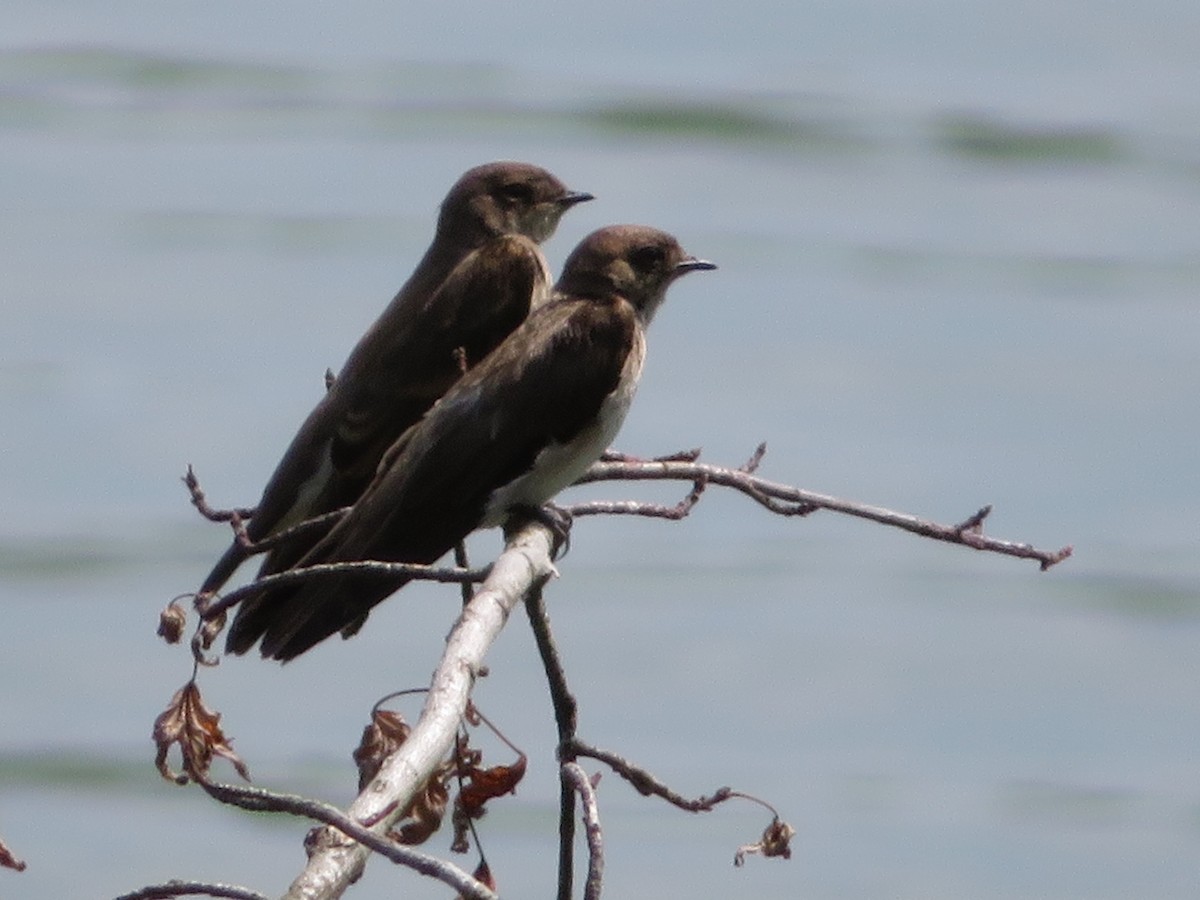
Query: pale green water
960,256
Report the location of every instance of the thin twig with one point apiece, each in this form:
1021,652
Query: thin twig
645,783
209,607
574,776
259,800
193,888
636,508
566,711
787,500
201,502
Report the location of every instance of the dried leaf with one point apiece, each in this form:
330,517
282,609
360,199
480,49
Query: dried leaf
428,811
386,733
483,874
8,860
479,786
196,729
484,784
172,621
210,628
774,842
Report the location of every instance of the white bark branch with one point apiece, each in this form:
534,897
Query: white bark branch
338,861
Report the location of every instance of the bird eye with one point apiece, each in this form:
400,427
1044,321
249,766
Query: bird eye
646,259
517,192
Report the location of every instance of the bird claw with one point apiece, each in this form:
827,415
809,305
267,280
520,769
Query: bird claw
555,518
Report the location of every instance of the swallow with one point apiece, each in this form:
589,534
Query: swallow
479,279
522,425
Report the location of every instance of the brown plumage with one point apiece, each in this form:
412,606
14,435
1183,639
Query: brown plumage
515,430
477,281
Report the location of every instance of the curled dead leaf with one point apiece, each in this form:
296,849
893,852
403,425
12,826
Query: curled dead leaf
775,841
484,784
8,860
428,811
210,628
383,737
478,787
172,621
483,874
196,729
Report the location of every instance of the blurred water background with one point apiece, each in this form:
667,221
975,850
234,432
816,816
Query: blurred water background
960,260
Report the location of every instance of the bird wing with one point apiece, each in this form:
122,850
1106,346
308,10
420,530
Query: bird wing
404,363
544,385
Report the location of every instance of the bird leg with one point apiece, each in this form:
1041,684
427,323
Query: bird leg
554,517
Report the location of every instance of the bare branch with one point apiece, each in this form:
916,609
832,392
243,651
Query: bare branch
566,719
573,775
336,860
201,502
645,783
787,500
209,607
636,508
193,888
260,800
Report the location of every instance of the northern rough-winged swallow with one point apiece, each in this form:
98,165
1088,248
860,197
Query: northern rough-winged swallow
514,431
477,281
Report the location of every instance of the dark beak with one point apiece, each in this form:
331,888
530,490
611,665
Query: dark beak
570,198
691,264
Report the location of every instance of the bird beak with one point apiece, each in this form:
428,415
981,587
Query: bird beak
692,264
570,198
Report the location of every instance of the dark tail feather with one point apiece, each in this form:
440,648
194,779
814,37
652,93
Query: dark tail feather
253,618
233,557
288,553
319,611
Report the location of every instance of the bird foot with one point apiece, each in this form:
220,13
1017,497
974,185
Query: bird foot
557,519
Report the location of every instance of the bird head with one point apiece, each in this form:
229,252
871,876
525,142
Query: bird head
636,262
506,198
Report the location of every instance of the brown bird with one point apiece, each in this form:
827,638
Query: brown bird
477,281
514,431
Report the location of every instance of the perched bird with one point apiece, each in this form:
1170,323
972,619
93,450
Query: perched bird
477,281
514,431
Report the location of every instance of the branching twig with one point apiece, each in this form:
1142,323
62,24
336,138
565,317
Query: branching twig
566,711
259,800
636,508
578,780
787,500
645,783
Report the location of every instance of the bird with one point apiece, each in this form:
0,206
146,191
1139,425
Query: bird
516,429
477,281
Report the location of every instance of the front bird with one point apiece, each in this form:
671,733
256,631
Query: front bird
514,431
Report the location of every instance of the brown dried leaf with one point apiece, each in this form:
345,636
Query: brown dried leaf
484,784
428,811
8,860
172,621
483,874
196,729
775,841
383,737
480,786
210,628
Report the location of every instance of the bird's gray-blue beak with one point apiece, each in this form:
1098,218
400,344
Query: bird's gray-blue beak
692,264
570,198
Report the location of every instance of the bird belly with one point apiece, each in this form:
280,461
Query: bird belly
560,465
